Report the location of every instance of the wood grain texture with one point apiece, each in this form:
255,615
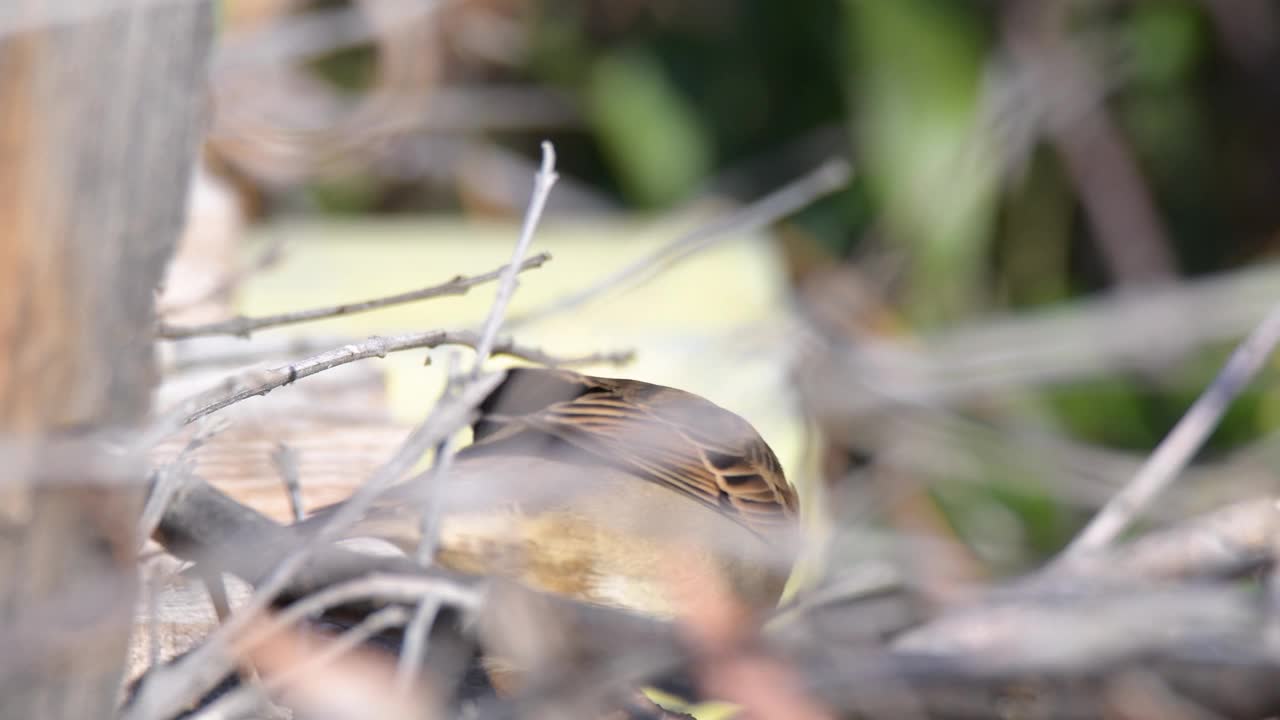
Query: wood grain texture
99,117
333,459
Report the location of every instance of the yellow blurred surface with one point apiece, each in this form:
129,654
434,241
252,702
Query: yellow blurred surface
702,325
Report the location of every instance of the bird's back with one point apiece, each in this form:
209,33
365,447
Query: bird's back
616,492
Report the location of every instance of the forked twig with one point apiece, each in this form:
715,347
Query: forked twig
542,184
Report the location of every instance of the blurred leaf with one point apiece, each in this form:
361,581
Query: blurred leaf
1035,250
1004,515
650,135
1268,409
558,51
1165,43
344,195
1107,411
1044,522
917,79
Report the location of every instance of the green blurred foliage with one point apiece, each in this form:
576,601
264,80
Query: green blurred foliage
916,82
653,139
343,194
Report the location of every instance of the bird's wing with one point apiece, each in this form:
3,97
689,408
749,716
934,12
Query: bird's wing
663,435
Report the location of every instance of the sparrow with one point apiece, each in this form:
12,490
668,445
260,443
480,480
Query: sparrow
606,490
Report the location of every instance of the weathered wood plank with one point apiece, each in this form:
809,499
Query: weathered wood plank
99,118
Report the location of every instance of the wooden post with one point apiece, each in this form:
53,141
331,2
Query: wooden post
101,106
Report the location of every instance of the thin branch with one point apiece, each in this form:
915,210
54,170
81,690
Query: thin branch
448,416
285,460
381,587
415,643
1136,329
429,522
506,346
444,458
151,585
1180,445
217,591
542,184
424,615
242,326
384,619
260,382
194,674
222,352
205,525
248,701
167,480
1228,542
824,180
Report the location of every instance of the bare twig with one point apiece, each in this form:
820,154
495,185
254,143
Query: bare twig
166,481
229,352
447,417
1239,538
444,458
260,382
205,525
384,619
182,682
415,644
506,346
1079,631
217,590
826,179
1139,329
416,634
242,326
378,586
1181,444
285,460
543,182
152,588
247,701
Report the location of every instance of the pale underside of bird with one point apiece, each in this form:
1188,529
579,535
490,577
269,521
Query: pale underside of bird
611,491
